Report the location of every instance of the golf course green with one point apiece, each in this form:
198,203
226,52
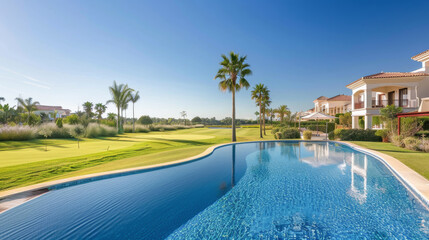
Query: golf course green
24,163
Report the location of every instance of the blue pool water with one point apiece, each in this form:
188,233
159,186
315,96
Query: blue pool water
267,190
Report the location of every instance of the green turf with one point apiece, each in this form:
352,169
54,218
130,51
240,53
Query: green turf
418,161
26,162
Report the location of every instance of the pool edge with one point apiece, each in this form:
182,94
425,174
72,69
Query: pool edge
416,183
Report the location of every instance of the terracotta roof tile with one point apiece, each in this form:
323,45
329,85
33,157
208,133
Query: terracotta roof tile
395,75
420,54
391,75
340,97
322,98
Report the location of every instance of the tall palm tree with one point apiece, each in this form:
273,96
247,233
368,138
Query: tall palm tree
232,69
282,111
120,97
28,105
270,113
87,107
266,102
100,109
134,99
258,95
184,114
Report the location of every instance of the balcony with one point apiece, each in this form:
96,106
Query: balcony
359,105
384,103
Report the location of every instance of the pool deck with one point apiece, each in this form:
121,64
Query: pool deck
14,197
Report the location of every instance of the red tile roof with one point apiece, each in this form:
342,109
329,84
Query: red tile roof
391,75
340,97
420,54
395,75
322,98
51,108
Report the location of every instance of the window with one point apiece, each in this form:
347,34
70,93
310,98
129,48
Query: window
403,97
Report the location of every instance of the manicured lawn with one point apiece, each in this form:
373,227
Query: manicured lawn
418,161
26,162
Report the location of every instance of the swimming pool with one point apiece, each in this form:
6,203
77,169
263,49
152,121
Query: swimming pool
261,190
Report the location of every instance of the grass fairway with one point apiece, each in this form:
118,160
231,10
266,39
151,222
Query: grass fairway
418,161
26,162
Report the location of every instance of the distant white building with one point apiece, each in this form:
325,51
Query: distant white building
402,89
331,106
51,110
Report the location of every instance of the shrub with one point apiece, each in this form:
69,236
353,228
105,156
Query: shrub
322,128
278,135
356,135
290,133
331,135
56,132
72,119
383,133
425,145
397,140
95,130
17,133
307,134
59,122
145,120
410,126
138,128
361,123
346,119
412,143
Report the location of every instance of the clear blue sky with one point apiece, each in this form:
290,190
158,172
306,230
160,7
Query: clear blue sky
68,52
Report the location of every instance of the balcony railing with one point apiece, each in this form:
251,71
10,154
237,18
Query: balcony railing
384,103
359,105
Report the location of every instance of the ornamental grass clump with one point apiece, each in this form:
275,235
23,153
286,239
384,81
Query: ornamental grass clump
412,143
99,130
307,134
17,133
139,128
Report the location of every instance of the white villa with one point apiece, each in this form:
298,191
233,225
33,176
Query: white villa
51,110
403,89
331,106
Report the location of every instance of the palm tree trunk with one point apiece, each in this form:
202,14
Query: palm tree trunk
260,119
117,120
233,114
134,127
264,124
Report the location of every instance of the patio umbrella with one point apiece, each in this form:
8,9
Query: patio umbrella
316,116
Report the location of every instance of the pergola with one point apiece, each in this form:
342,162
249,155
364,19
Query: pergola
410,114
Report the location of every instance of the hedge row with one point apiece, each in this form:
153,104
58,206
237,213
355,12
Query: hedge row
354,135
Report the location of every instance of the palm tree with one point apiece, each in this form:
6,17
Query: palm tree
134,99
100,109
233,68
258,95
28,105
266,102
184,114
257,116
87,107
282,111
120,97
270,113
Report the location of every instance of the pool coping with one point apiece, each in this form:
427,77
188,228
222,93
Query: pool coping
415,182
